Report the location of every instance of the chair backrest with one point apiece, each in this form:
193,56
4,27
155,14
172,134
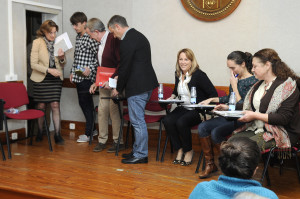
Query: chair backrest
152,106
221,93
14,94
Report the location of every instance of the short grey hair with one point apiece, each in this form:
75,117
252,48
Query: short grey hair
117,19
95,24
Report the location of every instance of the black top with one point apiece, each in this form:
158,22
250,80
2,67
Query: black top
136,73
205,89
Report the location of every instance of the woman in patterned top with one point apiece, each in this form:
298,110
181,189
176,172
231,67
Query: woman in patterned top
217,129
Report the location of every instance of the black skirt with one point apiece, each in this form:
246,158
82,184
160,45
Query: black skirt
48,90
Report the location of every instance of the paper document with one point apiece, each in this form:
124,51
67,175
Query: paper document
235,114
112,83
172,101
63,42
199,106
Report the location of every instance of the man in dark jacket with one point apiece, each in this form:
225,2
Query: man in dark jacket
137,77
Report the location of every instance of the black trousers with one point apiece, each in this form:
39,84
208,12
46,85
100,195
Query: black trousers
178,125
86,103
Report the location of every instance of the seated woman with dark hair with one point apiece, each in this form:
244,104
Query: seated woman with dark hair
215,130
238,160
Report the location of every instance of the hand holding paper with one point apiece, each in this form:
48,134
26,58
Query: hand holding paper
63,42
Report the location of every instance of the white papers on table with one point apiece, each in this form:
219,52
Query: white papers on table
63,42
235,114
172,101
198,106
112,83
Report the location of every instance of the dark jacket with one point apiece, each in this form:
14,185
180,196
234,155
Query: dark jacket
136,73
205,89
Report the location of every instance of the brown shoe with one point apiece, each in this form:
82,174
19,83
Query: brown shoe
113,148
210,166
99,147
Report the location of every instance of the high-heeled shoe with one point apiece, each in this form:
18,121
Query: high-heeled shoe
184,163
178,161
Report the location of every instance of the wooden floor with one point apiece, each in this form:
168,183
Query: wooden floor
74,171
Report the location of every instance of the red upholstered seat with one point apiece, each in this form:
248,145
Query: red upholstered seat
26,115
15,95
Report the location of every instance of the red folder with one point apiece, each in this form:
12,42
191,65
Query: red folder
103,74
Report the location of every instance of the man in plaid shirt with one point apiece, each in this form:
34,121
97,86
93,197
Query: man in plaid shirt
85,58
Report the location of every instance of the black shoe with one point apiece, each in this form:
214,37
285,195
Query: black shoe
127,155
99,147
184,163
178,161
39,137
135,160
59,140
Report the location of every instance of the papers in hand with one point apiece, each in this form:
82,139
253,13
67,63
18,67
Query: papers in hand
63,42
234,114
112,83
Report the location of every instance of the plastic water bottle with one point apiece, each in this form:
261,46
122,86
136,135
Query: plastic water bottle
193,95
232,102
160,92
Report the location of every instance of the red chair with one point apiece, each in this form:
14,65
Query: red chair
15,95
153,107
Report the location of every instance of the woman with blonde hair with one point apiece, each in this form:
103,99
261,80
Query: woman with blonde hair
178,123
47,75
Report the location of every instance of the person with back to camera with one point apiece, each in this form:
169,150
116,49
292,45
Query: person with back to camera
271,107
179,122
215,130
238,160
47,76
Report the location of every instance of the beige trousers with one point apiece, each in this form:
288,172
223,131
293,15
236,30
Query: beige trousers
107,108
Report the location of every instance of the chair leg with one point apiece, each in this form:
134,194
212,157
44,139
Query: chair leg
121,129
127,134
199,162
164,150
48,133
7,137
2,151
297,164
266,164
159,139
92,133
31,131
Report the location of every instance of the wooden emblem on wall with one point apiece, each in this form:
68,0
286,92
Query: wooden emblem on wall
210,10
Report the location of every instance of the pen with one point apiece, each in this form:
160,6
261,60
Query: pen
236,75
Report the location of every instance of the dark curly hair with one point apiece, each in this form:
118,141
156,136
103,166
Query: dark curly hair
239,57
239,157
279,68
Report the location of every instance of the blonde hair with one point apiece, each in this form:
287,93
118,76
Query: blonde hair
190,55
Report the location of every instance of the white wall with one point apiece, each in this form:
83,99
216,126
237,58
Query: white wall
254,25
